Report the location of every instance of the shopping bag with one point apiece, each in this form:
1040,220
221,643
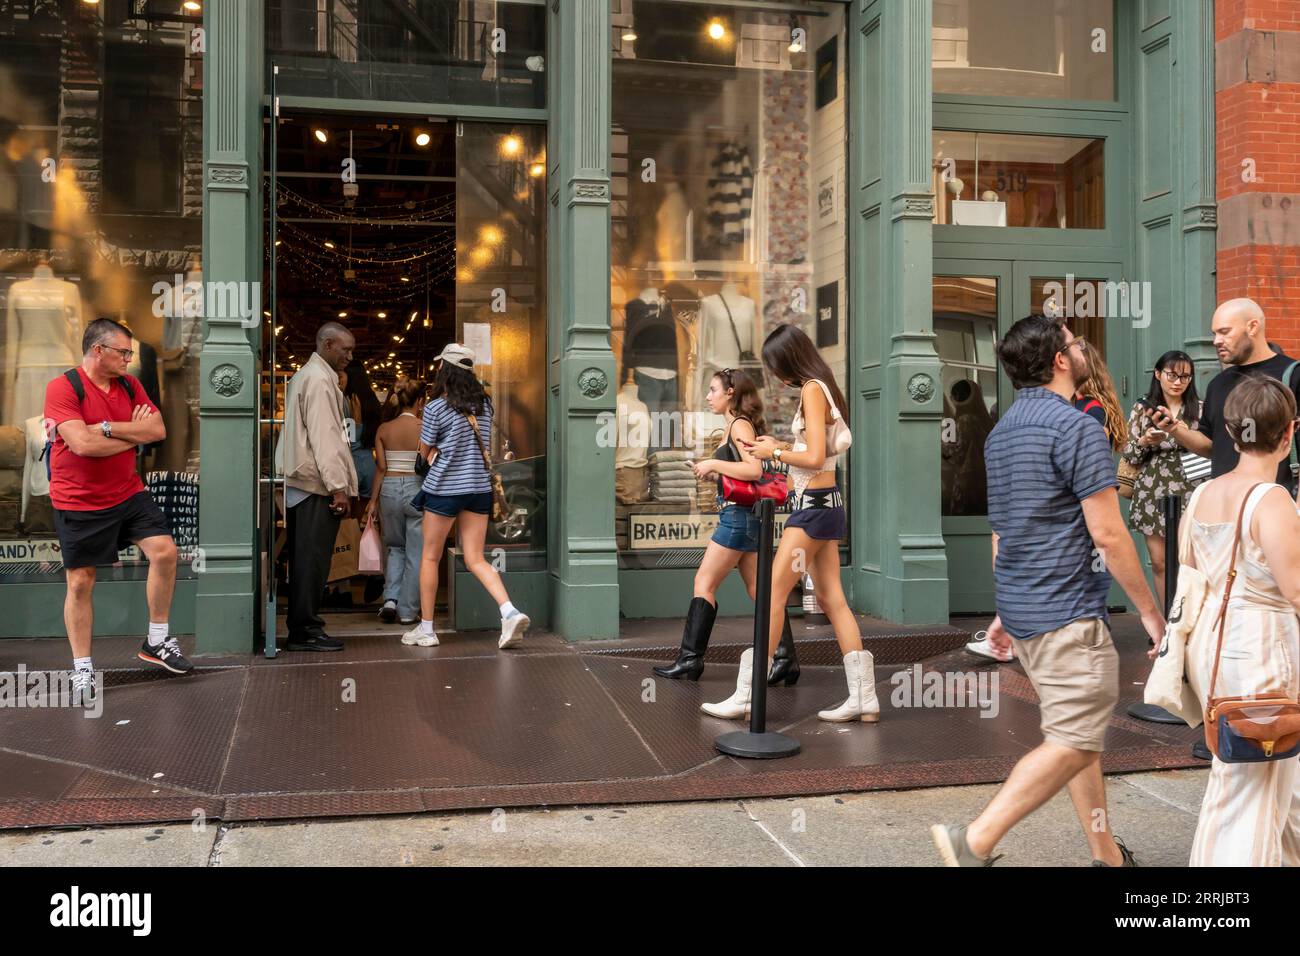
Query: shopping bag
347,546
370,560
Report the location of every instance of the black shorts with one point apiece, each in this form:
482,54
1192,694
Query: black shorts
88,538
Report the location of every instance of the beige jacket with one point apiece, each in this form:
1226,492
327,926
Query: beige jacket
313,452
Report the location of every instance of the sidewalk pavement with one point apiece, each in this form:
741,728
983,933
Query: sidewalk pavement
1154,813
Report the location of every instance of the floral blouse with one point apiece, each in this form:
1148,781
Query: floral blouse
1160,475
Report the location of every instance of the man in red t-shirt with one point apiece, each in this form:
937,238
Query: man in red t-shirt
100,504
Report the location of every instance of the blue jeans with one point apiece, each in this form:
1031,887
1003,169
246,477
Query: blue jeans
404,535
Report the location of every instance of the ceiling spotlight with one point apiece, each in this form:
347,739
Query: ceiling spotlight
422,138
343,315
321,135
383,315
428,324
511,145
392,354
716,30
405,279
193,6
536,170
328,244
397,338
90,3
629,36
278,241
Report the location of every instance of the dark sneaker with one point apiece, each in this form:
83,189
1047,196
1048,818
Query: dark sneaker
167,655
951,843
1124,851
313,642
388,613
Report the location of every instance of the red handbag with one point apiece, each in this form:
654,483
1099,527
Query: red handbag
749,493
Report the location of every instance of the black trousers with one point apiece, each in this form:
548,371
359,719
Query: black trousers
311,530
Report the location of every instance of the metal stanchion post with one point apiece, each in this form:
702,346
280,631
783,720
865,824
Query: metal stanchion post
1172,508
757,742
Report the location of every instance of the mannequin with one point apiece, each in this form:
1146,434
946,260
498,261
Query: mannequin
650,350
630,461
672,228
42,339
182,342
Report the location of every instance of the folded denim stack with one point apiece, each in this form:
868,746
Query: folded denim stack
671,478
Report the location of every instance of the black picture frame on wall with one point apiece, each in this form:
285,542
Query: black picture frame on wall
827,77
828,315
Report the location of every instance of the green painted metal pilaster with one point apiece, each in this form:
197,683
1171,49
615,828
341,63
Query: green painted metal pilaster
899,567
583,552
232,78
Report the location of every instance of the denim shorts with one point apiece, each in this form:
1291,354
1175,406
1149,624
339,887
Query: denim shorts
451,505
737,528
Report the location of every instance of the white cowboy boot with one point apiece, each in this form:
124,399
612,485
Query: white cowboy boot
859,669
736,707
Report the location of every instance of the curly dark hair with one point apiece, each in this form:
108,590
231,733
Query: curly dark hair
460,389
745,402
1029,349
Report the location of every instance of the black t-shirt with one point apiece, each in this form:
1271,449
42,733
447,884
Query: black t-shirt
1224,457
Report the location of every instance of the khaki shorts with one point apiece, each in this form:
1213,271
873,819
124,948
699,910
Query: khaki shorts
1075,672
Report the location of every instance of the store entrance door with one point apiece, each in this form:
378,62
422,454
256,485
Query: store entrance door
411,234
975,301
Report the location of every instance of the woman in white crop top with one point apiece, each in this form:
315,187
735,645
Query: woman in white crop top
395,487
810,539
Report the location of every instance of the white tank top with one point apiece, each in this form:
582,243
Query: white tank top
800,477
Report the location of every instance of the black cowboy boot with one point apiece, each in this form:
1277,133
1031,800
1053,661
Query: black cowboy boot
785,666
695,641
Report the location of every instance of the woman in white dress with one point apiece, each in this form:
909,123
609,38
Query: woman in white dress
1250,815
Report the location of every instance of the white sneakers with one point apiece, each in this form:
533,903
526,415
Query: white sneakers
512,630
982,648
418,637
736,707
860,671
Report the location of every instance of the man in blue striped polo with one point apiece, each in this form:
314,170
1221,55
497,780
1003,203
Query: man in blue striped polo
1058,539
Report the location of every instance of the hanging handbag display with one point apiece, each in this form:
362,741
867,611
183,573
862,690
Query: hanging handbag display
749,363
500,507
1248,729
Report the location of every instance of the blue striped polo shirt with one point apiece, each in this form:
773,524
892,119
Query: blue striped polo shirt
1043,458
459,468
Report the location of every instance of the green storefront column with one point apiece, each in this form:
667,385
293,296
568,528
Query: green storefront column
580,473
899,568
225,611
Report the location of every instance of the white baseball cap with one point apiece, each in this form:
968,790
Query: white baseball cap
458,354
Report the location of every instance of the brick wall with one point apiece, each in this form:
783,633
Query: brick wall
1257,116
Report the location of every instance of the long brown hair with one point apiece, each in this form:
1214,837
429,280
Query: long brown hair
1097,385
790,355
745,402
407,393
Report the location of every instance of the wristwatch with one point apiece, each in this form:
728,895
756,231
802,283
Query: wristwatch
776,454
107,428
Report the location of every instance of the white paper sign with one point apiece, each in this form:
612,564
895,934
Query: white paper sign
478,336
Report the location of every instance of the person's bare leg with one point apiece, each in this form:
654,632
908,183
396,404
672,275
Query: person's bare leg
1034,780
1088,793
748,565
436,528
825,570
1156,548
714,567
472,533
794,556
79,610
161,583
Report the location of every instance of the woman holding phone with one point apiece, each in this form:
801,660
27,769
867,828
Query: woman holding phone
1157,456
733,395
810,540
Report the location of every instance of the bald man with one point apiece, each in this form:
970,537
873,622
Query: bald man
1239,338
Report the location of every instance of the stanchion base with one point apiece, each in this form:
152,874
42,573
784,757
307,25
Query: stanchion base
1154,714
742,743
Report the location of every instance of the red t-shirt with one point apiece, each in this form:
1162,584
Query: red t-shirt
91,484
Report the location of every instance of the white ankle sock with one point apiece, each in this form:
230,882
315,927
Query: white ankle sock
157,634
426,627
508,609
83,664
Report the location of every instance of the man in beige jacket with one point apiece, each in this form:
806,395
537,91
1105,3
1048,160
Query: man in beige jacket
320,481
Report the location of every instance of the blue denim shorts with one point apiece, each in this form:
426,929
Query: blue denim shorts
737,528
451,505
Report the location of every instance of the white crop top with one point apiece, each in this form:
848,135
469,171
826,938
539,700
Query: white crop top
838,440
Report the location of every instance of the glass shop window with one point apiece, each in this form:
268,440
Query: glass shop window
727,220
966,332
1044,49
1007,179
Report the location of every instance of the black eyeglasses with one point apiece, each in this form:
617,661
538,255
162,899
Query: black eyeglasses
126,354
1175,378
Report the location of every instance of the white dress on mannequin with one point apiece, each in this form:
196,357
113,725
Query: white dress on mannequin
720,347
633,429
42,339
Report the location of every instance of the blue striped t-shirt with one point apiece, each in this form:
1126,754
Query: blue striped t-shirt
459,468
1043,458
